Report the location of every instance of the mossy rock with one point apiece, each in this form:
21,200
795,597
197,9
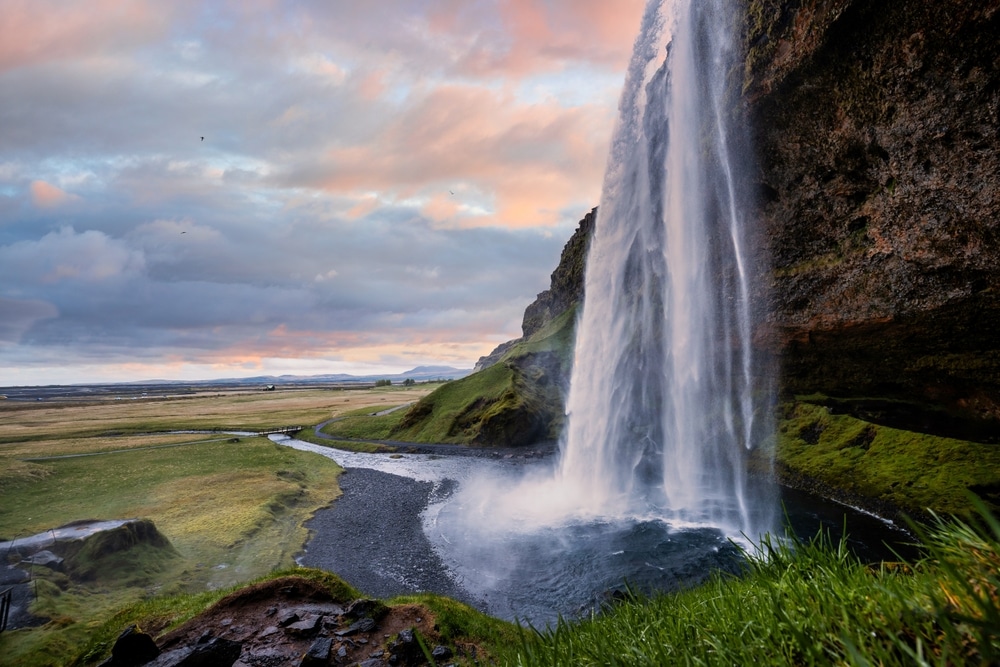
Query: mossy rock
514,403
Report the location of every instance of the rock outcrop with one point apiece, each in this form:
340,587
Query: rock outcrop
565,290
291,621
877,137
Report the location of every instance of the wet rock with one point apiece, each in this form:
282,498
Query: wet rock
45,558
364,625
441,653
308,626
318,653
12,575
287,618
341,654
267,657
132,648
215,652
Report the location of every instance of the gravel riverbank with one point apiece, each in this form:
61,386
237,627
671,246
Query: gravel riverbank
373,536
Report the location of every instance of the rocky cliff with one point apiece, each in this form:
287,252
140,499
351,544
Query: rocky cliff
516,396
565,291
877,137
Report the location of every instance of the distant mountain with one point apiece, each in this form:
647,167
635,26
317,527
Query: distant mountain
418,374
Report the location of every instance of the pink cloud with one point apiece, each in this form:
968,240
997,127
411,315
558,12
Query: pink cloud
46,195
543,35
34,31
531,159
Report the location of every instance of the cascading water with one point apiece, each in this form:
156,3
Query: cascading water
665,404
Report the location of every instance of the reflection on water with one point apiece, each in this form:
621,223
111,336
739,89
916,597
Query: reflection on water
527,568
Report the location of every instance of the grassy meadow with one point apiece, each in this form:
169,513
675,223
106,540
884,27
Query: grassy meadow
231,507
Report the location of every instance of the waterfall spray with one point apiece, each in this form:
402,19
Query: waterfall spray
665,402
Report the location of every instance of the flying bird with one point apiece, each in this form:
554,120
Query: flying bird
451,192
203,138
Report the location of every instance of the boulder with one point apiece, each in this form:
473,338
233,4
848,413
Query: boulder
318,654
132,648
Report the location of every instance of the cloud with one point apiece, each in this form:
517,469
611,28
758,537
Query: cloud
46,195
35,31
530,159
66,255
18,315
379,183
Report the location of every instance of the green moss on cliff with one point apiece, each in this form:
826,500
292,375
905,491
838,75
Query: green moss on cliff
892,468
516,402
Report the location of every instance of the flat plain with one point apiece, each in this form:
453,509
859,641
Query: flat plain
232,507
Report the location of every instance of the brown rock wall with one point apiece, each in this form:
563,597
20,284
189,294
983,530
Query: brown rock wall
877,136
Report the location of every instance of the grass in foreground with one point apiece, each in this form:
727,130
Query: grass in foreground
808,603
811,604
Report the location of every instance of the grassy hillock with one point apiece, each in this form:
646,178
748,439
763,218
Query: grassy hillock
516,402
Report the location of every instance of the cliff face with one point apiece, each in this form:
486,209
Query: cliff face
565,291
516,396
877,136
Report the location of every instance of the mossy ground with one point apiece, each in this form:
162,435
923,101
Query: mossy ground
912,471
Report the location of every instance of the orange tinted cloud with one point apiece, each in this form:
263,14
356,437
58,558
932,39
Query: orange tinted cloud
532,159
46,195
33,31
540,35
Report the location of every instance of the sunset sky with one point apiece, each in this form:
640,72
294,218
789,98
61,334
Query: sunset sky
382,184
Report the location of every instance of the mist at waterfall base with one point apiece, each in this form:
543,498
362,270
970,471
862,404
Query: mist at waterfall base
665,405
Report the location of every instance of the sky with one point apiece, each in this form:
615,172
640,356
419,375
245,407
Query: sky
195,190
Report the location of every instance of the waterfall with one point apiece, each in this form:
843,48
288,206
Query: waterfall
665,403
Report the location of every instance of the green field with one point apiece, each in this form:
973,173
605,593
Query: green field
231,510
